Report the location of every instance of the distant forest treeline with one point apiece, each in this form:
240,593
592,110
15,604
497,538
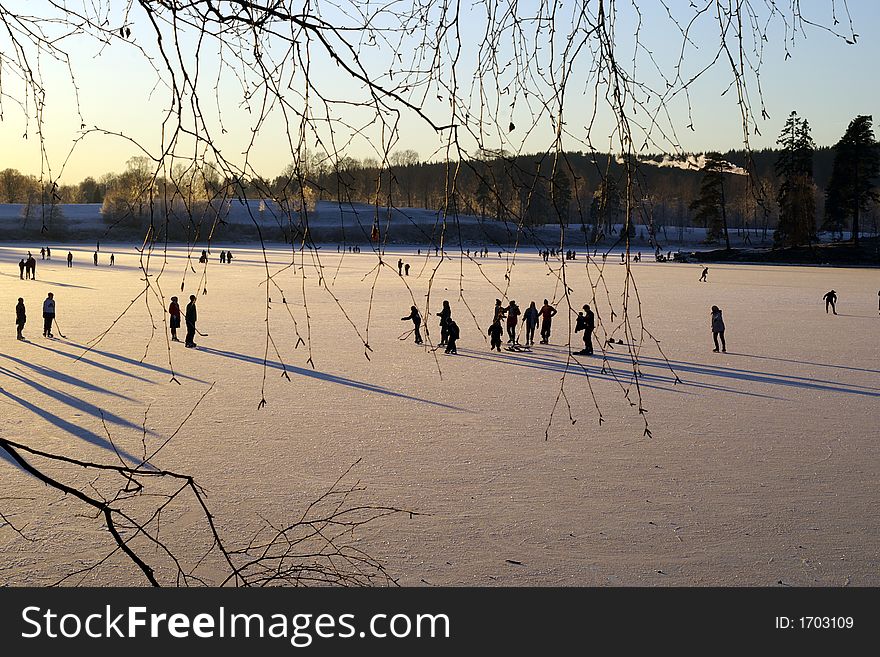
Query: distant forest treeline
583,189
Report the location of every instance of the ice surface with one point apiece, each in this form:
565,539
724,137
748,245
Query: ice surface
762,467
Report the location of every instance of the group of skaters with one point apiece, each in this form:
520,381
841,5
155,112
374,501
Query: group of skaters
48,317
190,317
27,267
225,257
508,316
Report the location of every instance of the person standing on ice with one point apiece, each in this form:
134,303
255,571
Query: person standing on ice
42,253
445,316
495,332
499,312
20,318
21,266
704,274
530,319
95,258
191,318
112,259
547,312
416,320
228,257
174,323
399,267
223,257
718,329
406,269
830,300
586,323
48,315
69,259
452,337
513,313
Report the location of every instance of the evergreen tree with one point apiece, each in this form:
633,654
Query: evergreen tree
710,207
856,166
560,195
796,196
605,208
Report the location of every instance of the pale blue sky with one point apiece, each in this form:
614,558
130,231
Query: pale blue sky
826,81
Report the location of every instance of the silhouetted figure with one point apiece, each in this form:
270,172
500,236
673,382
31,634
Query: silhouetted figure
191,318
495,332
228,257
21,266
97,246
499,312
704,274
48,315
445,315
452,337
406,269
530,319
718,328
42,254
69,259
95,258
112,259
416,320
31,267
399,267
830,301
48,253
223,257
20,318
547,312
513,313
204,257
174,322
586,322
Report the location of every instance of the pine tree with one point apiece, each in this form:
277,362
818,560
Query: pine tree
710,207
605,208
796,197
856,166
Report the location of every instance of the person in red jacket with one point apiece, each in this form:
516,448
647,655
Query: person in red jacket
174,311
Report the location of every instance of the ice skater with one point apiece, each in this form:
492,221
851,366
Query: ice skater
452,337
718,329
704,274
830,301
48,315
191,318
416,319
494,333
174,322
587,323
513,313
445,316
530,320
547,312
20,319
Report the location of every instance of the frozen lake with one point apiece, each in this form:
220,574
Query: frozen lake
762,466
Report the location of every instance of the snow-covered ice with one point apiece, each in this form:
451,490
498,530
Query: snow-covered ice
762,466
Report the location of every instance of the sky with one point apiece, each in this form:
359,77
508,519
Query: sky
825,80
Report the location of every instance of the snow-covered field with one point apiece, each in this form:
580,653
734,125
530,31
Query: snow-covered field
762,466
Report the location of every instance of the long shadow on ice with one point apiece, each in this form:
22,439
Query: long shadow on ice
324,376
65,378
650,365
68,427
69,400
664,380
123,359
